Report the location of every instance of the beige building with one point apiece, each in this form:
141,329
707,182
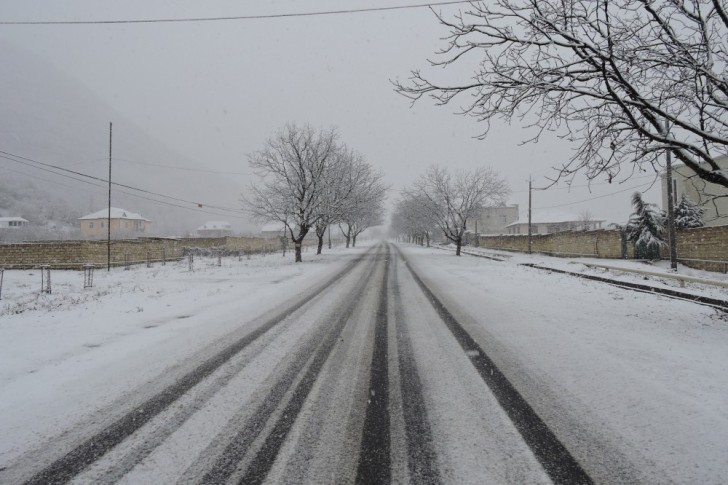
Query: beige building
494,220
124,224
685,182
549,223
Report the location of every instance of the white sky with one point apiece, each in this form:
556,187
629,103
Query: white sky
215,91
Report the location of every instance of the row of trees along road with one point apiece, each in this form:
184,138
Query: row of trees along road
446,201
624,80
308,180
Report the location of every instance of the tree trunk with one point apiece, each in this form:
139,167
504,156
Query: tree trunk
298,253
353,241
320,244
427,238
459,243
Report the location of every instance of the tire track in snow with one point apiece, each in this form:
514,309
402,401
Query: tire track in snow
374,456
421,456
556,460
72,463
277,413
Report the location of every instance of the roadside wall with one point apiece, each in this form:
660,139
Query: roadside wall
593,244
74,254
703,248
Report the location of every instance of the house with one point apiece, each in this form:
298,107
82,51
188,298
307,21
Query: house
549,223
13,222
273,230
711,197
215,229
493,220
124,224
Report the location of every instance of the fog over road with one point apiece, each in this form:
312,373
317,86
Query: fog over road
378,373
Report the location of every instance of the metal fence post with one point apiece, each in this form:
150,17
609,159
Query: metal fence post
149,259
88,275
190,260
126,261
164,257
2,270
219,258
45,279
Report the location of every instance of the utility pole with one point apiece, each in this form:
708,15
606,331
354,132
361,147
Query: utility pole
108,219
529,214
477,238
671,232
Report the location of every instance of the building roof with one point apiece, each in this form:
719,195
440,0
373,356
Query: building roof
17,219
116,213
273,227
215,225
551,218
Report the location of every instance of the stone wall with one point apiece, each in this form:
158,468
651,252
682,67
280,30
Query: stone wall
593,244
703,248
74,254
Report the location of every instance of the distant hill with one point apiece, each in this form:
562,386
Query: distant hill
46,115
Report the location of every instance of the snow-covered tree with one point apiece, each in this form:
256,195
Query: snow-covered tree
450,200
362,202
622,80
646,226
688,214
291,169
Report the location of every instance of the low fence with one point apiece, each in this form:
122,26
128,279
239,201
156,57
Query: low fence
703,248
76,254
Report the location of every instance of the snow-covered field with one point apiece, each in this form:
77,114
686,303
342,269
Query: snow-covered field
66,354
636,385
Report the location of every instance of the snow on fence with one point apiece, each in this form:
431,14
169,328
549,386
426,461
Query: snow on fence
681,278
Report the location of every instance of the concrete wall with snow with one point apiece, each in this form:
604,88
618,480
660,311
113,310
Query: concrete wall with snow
74,254
703,248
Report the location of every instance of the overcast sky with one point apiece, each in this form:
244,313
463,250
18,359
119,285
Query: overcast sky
214,91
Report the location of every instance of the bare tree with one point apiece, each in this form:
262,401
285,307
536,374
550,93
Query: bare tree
362,203
409,219
623,79
449,201
585,219
291,169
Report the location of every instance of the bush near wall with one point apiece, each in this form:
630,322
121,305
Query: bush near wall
75,254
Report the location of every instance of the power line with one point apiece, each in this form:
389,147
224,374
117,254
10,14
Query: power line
236,17
190,169
94,184
598,197
572,186
23,160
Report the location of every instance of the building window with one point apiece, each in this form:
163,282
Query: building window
102,224
90,225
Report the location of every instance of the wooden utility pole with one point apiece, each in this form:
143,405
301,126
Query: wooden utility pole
529,214
108,219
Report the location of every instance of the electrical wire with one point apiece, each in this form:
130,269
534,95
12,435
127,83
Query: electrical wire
236,213
189,169
597,197
24,160
231,18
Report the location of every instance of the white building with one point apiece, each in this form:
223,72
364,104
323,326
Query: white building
712,198
215,229
13,222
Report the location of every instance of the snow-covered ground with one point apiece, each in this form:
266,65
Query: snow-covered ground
64,355
635,385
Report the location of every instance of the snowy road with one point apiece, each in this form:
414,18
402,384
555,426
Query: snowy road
403,365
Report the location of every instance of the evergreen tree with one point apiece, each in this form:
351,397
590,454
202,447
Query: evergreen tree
646,228
688,214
